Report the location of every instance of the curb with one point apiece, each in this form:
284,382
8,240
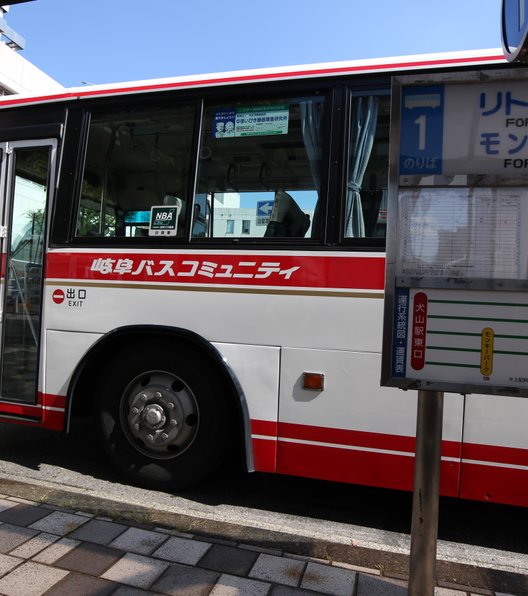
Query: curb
394,565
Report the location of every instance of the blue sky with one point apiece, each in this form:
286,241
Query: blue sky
104,41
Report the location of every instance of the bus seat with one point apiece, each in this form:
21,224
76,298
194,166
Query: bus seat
287,218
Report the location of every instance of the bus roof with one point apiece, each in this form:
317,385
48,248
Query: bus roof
325,69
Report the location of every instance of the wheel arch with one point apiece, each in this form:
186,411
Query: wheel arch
81,397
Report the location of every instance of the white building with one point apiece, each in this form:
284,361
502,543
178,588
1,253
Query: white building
232,220
18,75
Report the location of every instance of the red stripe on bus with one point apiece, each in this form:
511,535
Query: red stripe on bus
39,412
53,420
29,411
267,428
253,78
344,273
358,467
368,440
483,482
494,453
264,455
495,484
52,401
361,439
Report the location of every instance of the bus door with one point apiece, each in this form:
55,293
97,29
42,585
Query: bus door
26,183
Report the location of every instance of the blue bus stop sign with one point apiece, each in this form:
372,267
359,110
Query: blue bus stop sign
514,29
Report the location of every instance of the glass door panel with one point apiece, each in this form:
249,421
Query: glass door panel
26,198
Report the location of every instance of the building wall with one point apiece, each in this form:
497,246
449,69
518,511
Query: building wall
18,75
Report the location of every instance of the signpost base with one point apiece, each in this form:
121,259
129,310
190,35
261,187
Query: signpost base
424,529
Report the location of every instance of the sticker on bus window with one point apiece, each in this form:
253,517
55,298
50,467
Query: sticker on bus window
164,220
251,121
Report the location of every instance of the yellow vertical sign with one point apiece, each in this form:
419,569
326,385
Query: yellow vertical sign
486,351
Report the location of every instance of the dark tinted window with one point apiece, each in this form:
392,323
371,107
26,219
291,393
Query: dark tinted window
135,160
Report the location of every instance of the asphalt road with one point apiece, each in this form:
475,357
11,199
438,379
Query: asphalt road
74,462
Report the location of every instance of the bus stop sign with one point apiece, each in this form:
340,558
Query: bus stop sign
456,308
514,29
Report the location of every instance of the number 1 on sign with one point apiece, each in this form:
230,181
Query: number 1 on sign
421,122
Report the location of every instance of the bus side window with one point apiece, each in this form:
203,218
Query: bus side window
253,156
367,168
135,159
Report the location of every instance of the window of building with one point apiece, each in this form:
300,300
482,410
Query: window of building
261,162
230,226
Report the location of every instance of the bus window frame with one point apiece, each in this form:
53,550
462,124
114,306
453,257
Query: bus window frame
271,93
368,243
338,94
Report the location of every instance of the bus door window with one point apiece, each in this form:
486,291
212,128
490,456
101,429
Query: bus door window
259,171
367,168
135,159
23,272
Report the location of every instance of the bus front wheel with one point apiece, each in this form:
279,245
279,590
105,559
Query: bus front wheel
163,416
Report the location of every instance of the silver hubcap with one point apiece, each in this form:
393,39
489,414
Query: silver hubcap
159,414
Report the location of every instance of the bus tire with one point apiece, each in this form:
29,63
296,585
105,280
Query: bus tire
164,416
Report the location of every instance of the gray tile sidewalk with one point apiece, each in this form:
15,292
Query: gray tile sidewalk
46,550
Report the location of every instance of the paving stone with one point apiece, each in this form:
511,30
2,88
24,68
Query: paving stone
136,570
99,531
141,542
180,580
22,514
448,592
20,500
278,569
93,559
5,504
478,591
375,586
329,580
229,585
7,563
77,584
34,545
56,551
182,550
59,522
289,591
129,591
30,579
13,536
228,559
84,514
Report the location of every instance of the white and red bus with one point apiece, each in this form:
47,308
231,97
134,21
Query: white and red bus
199,261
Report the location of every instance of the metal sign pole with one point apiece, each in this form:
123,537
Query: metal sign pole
424,528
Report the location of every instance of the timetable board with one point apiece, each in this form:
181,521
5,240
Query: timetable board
456,308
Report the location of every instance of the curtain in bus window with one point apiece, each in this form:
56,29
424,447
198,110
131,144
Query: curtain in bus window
312,130
361,142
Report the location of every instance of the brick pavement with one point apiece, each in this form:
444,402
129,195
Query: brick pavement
53,551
